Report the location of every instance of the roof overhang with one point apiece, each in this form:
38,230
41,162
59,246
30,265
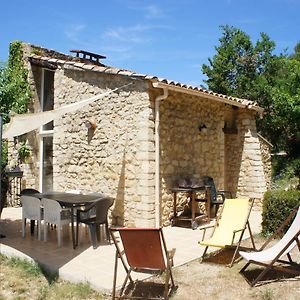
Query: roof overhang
209,95
43,63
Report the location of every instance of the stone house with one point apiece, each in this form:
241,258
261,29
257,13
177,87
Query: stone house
139,139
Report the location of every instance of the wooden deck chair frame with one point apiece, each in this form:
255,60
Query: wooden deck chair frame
294,268
241,230
128,256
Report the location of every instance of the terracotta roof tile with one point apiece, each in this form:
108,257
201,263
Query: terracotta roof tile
89,67
80,65
69,62
53,60
100,69
125,72
138,75
112,70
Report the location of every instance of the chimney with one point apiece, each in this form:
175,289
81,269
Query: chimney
92,57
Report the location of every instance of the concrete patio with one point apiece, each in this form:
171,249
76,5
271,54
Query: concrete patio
85,264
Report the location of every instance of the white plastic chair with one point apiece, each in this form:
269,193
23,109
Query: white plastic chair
54,214
31,209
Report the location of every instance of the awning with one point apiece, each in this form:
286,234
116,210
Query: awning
21,124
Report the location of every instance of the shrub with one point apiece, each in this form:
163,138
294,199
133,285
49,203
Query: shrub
277,205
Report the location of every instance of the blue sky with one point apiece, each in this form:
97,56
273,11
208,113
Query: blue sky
166,38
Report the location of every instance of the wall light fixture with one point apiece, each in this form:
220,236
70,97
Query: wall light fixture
90,125
202,127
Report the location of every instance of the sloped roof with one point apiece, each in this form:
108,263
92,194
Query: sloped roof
84,65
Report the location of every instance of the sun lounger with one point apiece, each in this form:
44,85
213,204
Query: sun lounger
271,258
144,250
230,226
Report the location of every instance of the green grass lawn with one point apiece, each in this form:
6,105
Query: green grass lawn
20,279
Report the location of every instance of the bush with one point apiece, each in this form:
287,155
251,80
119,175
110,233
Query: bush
277,205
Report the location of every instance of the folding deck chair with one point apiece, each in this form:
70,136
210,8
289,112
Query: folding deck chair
230,226
145,252
270,258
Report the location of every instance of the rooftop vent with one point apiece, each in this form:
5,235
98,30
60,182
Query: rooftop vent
93,57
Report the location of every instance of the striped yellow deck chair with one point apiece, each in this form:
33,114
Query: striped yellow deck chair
230,226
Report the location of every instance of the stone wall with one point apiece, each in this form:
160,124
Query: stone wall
265,148
113,159
244,165
185,151
232,159
117,158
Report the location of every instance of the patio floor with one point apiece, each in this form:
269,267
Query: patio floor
85,264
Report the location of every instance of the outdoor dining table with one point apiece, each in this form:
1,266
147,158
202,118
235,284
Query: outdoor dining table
69,200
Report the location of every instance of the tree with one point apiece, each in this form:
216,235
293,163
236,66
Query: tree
246,70
296,54
14,97
15,92
237,64
285,112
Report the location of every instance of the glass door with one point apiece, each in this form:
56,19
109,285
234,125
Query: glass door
46,132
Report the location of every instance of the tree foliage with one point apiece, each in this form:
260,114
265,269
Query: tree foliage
250,70
296,54
14,88
14,97
237,63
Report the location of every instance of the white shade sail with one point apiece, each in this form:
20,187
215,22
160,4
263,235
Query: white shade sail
21,124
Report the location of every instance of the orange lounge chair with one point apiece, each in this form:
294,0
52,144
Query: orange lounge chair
145,252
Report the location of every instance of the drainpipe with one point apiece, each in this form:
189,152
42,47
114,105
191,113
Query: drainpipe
157,162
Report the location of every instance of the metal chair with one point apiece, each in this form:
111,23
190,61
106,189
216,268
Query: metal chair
55,214
32,210
93,216
217,197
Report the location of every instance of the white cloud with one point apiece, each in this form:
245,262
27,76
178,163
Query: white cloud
72,31
131,35
153,12
118,53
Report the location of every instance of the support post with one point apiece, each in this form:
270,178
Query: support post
157,156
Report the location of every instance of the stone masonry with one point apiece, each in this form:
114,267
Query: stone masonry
114,158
